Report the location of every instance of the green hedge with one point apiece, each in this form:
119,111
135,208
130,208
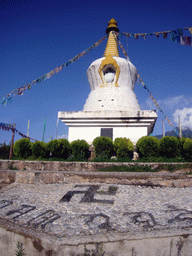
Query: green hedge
148,148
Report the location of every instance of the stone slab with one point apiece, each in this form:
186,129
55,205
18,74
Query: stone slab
68,219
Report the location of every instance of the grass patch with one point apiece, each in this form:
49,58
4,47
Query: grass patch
189,173
125,168
106,159
10,167
174,167
160,160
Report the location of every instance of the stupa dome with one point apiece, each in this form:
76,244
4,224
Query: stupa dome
112,79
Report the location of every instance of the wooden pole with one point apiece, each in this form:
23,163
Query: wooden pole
12,142
28,128
180,131
163,125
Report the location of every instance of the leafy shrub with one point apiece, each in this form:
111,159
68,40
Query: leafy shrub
169,147
187,149
80,149
22,148
148,146
20,250
39,149
103,146
4,151
59,148
123,147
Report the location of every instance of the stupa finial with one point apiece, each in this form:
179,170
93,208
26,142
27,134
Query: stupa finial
112,26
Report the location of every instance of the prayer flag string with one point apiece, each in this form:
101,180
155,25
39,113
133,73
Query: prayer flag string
7,127
156,104
151,96
175,35
19,91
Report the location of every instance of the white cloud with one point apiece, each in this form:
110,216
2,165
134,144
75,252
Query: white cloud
150,103
174,107
174,101
170,103
185,117
65,136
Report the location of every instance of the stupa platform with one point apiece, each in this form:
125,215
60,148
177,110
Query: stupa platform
88,125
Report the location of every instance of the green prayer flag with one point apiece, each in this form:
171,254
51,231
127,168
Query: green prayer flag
44,128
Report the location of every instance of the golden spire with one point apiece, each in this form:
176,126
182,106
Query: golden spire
111,48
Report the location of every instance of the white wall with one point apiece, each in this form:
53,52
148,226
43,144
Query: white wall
90,133
132,133
83,133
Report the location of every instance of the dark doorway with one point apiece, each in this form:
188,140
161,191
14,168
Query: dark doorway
107,132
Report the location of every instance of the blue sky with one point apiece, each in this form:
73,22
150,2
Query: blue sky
36,36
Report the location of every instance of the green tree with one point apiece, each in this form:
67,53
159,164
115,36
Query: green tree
187,149
181,143
4,151
148,146
64,148
103,146
169,147
123,147
22,148
80,149
52,147
39,149
59,148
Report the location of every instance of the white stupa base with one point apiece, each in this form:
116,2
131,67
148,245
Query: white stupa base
88,125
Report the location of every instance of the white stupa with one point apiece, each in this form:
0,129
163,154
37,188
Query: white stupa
112,108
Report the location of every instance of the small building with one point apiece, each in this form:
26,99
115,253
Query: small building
111,108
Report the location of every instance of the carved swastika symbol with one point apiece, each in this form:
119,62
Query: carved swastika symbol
43,219
89,195
5,203
21,211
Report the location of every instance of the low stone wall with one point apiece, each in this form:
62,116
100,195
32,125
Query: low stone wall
46,172
70,166
160,179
